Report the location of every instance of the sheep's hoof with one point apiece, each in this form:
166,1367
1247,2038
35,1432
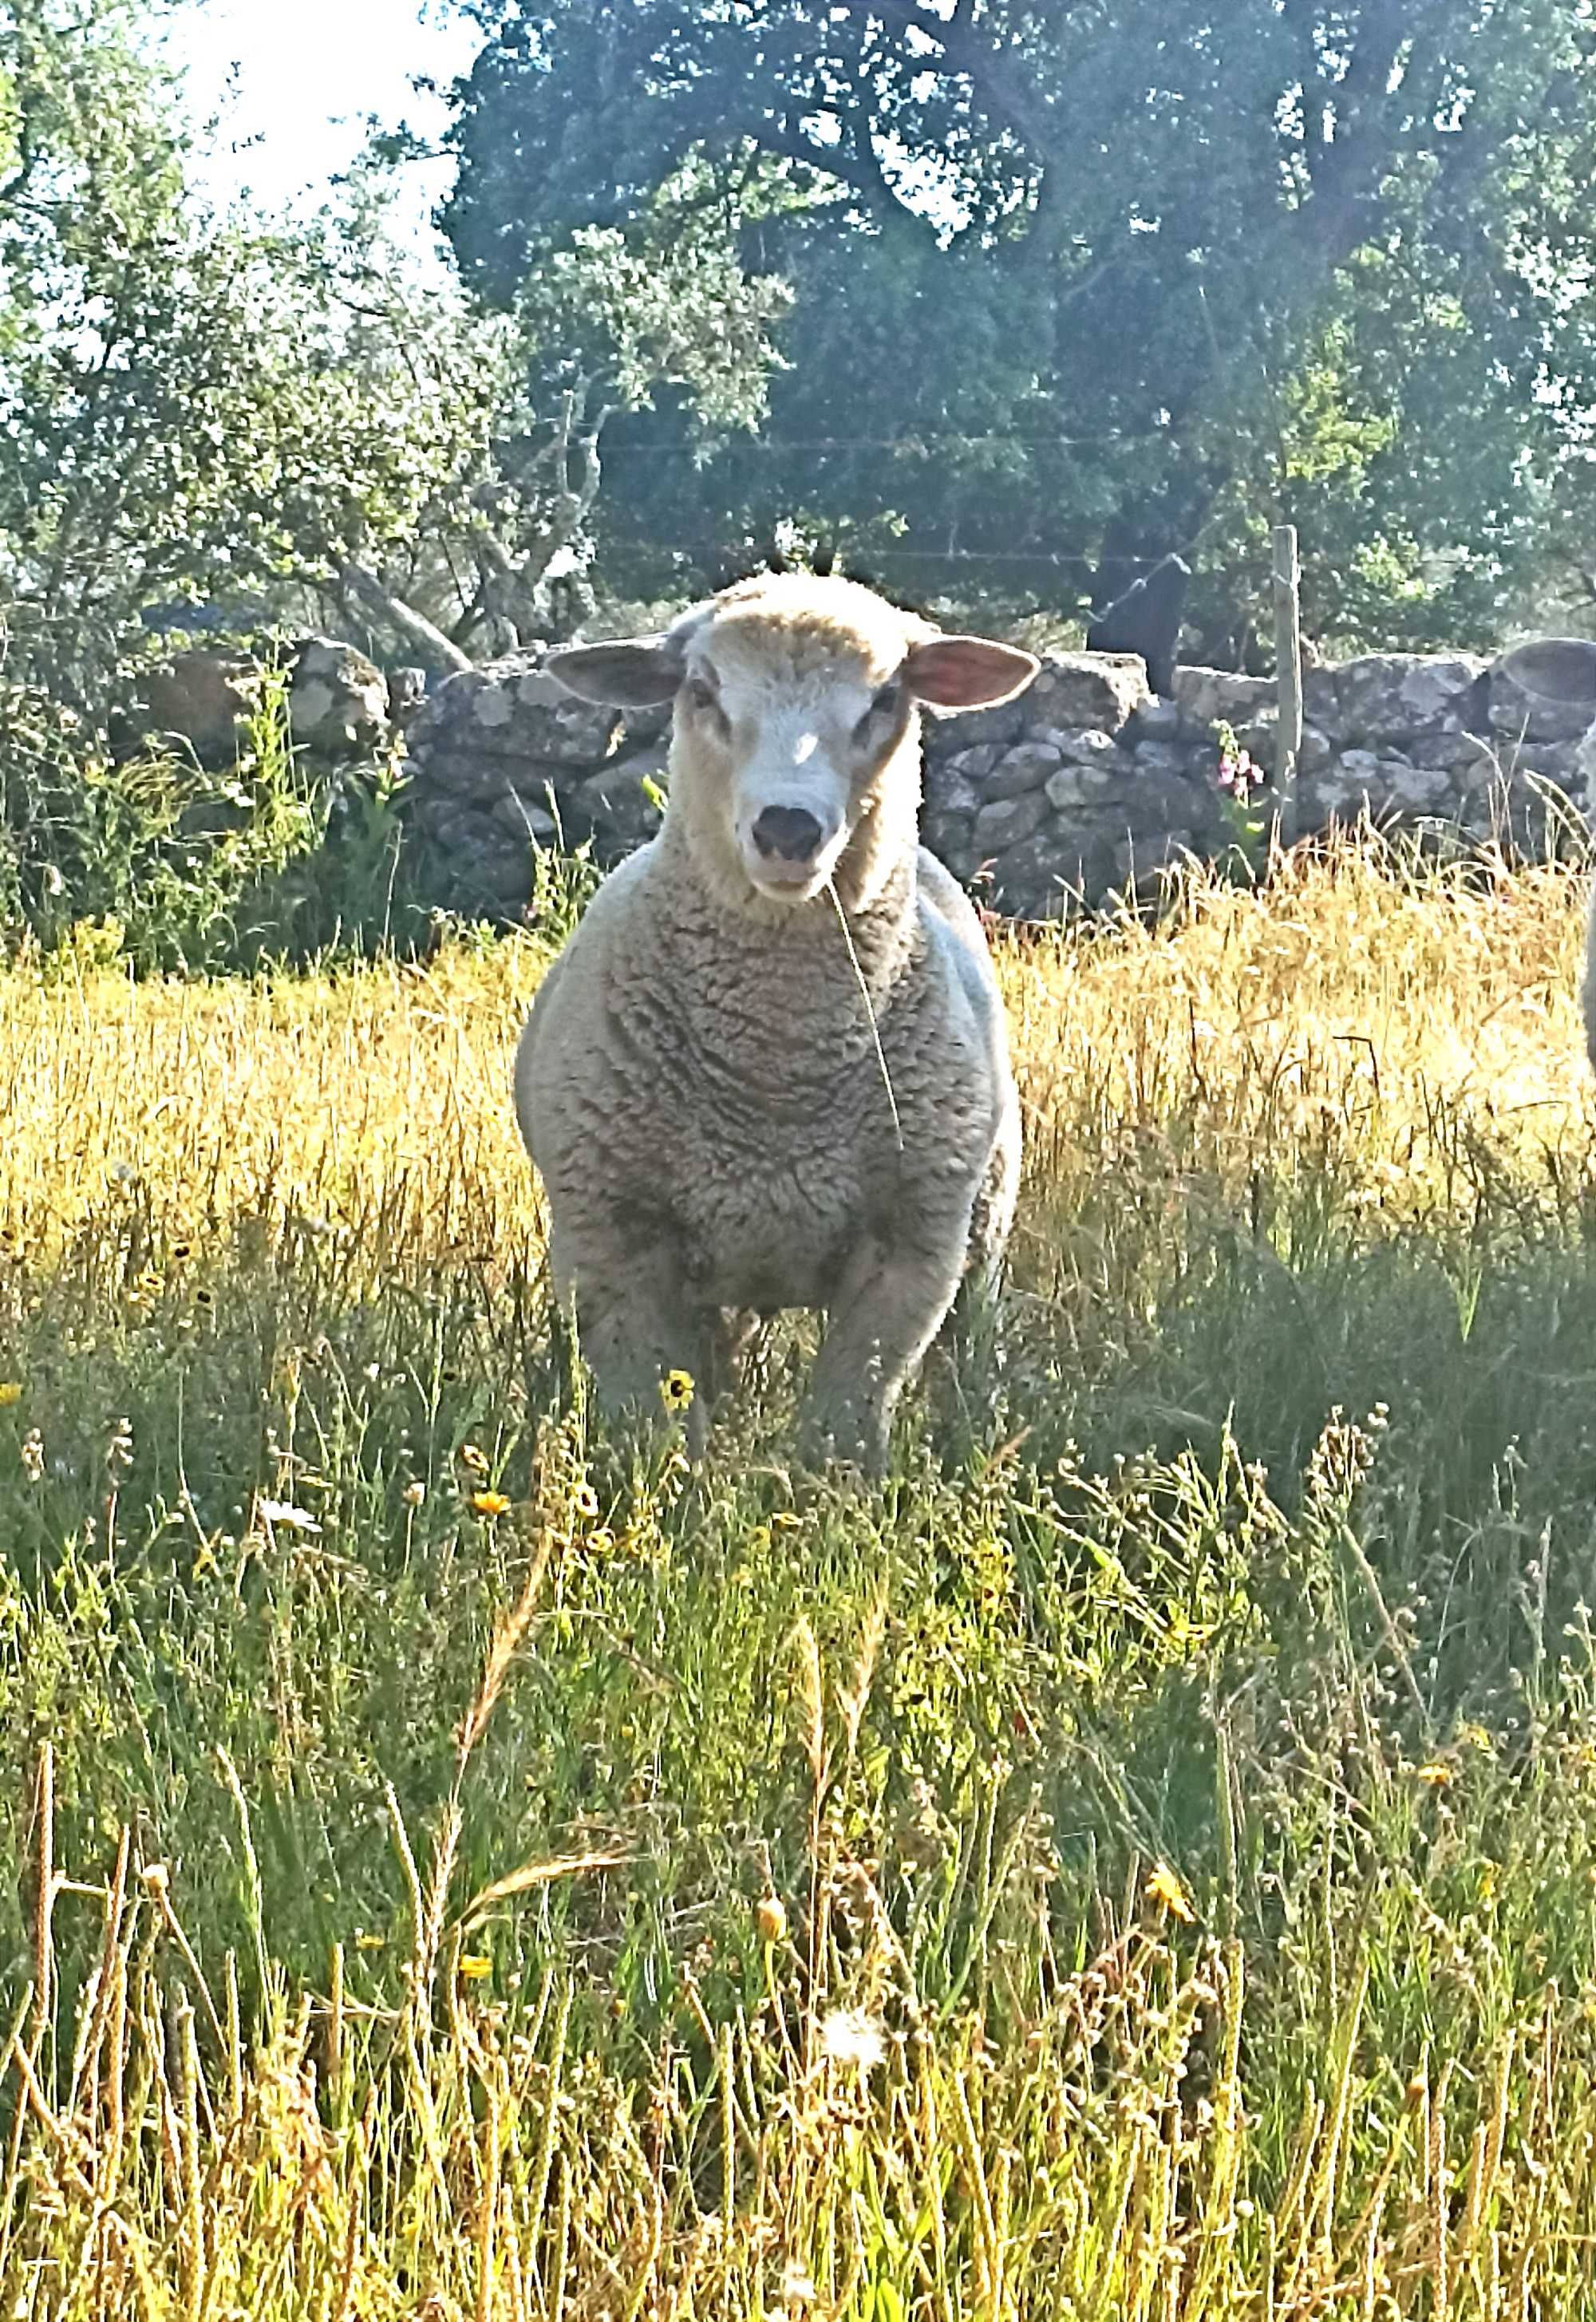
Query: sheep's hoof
847,1438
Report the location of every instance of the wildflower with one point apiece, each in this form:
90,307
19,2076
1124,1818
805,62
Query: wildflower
364,1941
11,1391
284,1513
675,1390
489,1504
1435,1775
119,1451
474,1966
413,1494
784,1519
1164,1888
585,1499
32,1456
474,1457
850,2036
770,1917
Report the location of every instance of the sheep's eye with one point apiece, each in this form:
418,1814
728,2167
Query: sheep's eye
701,695
886,705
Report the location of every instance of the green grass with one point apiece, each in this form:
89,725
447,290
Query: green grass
1140,1861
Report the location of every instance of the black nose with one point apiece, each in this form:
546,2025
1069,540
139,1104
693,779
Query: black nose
790,831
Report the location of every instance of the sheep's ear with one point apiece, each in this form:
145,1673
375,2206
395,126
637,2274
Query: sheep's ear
636,674
968,673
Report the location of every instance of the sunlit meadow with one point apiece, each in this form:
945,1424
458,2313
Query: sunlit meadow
1139,1863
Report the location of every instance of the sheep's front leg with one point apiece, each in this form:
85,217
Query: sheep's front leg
635,1324
889,1306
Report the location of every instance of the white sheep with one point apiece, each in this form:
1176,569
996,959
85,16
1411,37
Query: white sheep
722,1119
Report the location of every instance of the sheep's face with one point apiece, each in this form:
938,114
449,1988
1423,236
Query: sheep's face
787,758
796,720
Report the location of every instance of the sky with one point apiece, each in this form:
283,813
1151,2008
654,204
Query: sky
290,82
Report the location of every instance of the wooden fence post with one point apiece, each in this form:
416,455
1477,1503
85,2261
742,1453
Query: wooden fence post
1287,653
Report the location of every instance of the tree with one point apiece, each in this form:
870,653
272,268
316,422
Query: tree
199,410
1075,288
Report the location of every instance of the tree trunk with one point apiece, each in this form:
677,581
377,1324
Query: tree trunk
426,638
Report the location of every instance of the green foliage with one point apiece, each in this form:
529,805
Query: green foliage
218,412
1067,288
161,862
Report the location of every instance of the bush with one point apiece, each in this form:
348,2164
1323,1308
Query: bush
183,869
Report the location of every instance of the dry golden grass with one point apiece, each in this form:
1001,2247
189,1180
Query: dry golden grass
1349,993
381,1094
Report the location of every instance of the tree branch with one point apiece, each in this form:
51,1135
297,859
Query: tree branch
368,589
1001,89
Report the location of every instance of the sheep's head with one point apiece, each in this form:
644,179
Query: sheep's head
796,725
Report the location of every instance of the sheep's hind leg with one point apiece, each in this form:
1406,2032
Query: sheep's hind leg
970,1346
1588,980
889,1306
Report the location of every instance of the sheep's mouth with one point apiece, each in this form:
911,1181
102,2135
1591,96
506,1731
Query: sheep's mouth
790,883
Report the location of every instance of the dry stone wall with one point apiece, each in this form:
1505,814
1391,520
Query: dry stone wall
1087,784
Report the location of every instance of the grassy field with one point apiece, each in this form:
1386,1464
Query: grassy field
1140,1862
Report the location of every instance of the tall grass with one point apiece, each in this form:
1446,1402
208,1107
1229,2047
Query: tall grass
1140,1861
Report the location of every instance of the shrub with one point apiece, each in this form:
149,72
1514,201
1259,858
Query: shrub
195,870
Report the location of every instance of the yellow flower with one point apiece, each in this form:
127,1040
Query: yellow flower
474,1966
11,1391
771,1919
675,1390
1435,1775
1165,1890
489,1504
364,1941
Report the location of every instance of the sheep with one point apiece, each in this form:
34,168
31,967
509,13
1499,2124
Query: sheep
1560,672
770,1068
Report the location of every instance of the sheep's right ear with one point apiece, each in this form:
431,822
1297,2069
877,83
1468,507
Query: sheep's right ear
636,674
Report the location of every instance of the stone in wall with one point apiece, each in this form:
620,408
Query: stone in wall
1087,784
1394,696
1544,690
338,700
204,700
